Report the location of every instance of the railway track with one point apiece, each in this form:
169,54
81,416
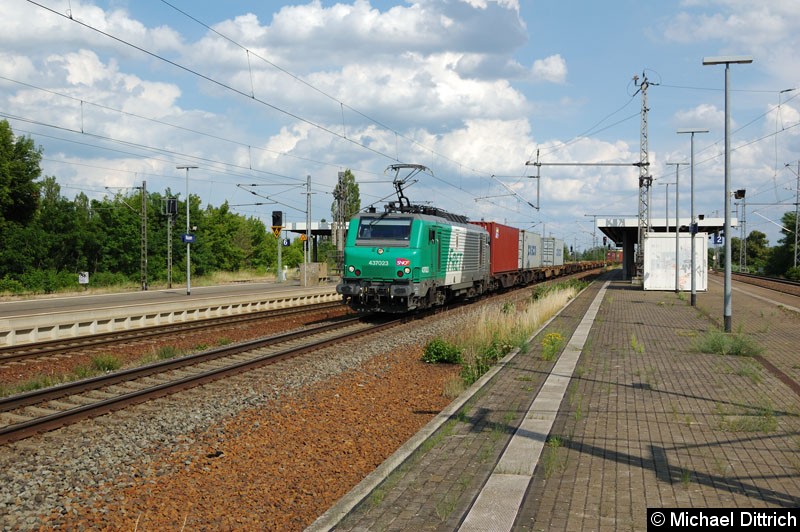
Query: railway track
57,347
784,286
24,415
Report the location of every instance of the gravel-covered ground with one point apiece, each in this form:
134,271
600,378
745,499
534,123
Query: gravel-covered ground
268,450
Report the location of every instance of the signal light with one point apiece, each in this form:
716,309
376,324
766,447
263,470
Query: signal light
399,273
358,273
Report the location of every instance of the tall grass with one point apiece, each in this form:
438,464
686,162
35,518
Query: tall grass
494,331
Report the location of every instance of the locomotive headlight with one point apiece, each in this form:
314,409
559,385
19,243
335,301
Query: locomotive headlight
407,270
351,269
399,273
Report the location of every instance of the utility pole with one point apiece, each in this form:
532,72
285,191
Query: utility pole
693,231
740,194
796,213
170,210
308,231
342,200
594,235
143,259
187,237
645,181
677,225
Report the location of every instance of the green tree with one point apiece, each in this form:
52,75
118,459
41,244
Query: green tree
347,198
118,223
758,251
19,199
56,221
782,257
19,169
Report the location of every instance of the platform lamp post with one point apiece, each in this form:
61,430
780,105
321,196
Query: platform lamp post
693,230
727,60
666,201
188,240
677,225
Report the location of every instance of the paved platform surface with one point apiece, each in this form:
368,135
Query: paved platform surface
644,419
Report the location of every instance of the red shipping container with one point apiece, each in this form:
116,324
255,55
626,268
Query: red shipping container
503,247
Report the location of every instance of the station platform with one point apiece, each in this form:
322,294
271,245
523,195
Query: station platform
631,416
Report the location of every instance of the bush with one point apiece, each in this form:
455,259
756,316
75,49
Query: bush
11,286
439,350
109,279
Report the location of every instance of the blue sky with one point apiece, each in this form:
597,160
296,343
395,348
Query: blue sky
470,88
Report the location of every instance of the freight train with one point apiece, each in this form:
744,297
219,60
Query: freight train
415,256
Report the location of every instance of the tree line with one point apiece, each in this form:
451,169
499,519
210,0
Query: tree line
47,239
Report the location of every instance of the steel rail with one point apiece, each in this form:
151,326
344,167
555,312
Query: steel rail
24,429
52,347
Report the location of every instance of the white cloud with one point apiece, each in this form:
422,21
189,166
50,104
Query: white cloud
703,115
552,69
24,25
765,30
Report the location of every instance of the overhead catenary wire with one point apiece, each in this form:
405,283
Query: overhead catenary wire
343,135
253,98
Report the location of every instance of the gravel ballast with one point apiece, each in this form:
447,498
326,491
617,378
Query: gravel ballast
270,449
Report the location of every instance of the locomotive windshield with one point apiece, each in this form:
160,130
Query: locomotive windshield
378,228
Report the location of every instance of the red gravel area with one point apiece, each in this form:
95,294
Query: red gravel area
280,468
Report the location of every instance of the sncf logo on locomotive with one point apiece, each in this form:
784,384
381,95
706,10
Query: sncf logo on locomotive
403,262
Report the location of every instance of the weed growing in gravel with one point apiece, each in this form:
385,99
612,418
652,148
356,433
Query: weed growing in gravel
105,363
43,381
445,508
166,352
758,418
99,364
721,343
637,346
550,459
453,388
439,350
551,346
376,496
751,371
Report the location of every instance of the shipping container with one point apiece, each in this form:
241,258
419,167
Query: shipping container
552,251
659,261
503,247
531,250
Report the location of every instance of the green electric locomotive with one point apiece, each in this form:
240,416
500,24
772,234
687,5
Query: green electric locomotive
412,257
